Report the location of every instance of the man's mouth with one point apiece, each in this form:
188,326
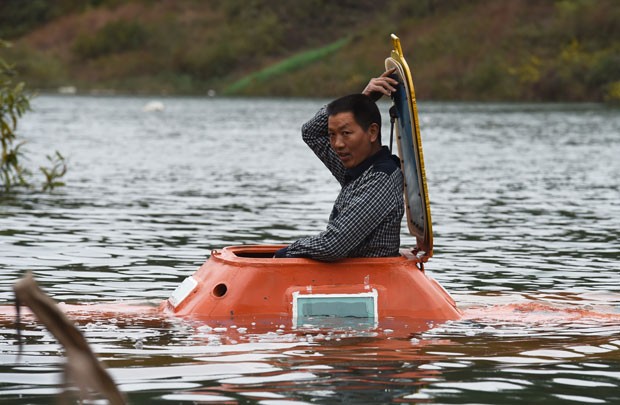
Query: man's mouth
344,156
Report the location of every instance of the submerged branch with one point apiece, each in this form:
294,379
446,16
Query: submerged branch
83,367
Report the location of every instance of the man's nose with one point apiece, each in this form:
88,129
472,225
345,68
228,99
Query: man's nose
337,142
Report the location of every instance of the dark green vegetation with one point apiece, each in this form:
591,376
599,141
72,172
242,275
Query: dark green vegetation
459,50
14,103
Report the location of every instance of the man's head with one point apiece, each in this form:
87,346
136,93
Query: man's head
354,125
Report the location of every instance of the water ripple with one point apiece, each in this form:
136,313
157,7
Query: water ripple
526,220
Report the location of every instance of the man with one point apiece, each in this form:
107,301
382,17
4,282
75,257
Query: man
366,218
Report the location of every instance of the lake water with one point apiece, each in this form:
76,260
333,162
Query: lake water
525,203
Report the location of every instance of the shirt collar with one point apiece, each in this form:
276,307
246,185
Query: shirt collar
355,172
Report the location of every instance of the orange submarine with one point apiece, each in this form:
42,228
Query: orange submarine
245,283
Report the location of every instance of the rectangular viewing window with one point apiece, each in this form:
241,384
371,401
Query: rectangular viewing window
182,291
361,305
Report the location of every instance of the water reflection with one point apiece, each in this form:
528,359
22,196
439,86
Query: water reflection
458,361
526,217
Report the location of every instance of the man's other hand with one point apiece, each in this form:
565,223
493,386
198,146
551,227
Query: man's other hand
380,86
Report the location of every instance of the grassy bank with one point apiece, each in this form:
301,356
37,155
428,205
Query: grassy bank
459,50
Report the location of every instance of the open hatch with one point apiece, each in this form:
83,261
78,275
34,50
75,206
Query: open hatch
410,151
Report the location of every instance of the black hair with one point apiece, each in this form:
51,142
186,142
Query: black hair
363,108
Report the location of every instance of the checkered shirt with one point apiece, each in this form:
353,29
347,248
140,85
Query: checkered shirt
367,215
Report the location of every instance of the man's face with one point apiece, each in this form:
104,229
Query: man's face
350,142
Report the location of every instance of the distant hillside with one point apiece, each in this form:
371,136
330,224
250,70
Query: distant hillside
566,50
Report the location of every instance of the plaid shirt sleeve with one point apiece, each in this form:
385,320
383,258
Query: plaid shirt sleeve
315,135
370,201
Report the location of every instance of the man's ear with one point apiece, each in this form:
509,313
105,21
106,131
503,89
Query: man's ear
373,131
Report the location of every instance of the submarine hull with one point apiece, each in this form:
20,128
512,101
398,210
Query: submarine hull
246,282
